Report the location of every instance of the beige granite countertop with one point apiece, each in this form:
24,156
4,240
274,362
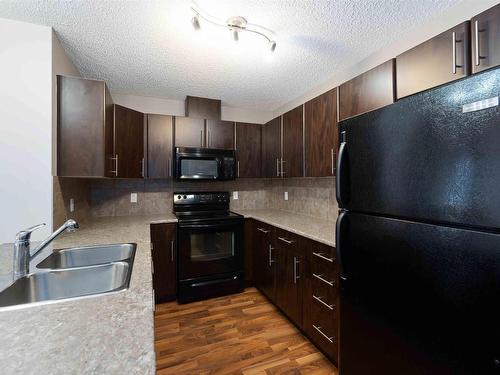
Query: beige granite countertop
320,230
108,334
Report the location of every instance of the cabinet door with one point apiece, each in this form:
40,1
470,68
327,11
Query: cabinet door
220,134
271,148
486,39
368,91
248,150
129,142
442,59
83,120
159,156
293,143
164,256
289,264
264,260
321,135
189,132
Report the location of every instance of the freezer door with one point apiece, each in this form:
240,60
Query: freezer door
421,157
417,298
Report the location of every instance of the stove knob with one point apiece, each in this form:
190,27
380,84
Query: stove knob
178,197
185,197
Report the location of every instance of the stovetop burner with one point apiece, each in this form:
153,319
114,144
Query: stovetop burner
202,206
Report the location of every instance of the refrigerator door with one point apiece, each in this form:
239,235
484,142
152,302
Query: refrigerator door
422,158
417,298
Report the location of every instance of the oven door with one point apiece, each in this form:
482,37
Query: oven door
210,248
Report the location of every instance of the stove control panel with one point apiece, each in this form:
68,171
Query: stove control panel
201,198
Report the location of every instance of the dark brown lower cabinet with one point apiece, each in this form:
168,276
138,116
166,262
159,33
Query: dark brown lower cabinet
164,258
264,259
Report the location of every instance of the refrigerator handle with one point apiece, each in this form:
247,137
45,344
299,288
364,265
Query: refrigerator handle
340,170
339,243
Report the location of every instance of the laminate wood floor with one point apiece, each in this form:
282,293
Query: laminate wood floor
238,334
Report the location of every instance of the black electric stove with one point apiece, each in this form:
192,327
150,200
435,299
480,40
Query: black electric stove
210,246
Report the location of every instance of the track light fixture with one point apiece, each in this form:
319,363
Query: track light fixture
235,25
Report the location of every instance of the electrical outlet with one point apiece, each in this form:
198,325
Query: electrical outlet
235,195
71,205
133,197
286,195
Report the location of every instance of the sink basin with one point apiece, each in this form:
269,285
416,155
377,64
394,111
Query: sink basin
88,256
69,283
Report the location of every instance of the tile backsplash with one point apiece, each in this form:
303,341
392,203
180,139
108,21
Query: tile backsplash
111,197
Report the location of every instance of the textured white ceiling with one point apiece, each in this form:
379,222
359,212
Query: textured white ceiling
149,47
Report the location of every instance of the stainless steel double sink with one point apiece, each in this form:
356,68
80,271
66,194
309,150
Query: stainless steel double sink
74,273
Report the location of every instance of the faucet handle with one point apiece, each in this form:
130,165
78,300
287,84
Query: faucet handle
25,235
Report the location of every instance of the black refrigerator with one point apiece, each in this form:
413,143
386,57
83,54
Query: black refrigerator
418,234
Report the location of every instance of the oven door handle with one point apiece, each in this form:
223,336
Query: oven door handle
215,225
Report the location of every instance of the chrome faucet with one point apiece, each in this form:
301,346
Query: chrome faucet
22,255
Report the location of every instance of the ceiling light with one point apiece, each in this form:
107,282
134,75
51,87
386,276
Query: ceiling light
235,25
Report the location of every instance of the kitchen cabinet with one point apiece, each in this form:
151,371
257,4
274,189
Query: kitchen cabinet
264,259
164,261
442,59
203,108
289,262
368,91
321,135
485,32
248,150
220,134
292,163
189,132
159,146
128,143
84,128
271,148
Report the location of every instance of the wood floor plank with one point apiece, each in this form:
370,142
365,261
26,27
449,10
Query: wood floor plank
238,334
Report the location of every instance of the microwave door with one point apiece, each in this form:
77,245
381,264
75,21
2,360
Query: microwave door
197,168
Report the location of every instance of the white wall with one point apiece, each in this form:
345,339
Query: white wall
409,39
163,106
25,128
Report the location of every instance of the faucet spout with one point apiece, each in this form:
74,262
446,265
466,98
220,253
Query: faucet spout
70,226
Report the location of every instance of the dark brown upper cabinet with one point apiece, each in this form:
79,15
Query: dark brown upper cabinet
442,59
204,108
84,128
321,135
368,91
159,146
164,256
485,32
220,134
189,132
292,164
271,148
249,150
129,143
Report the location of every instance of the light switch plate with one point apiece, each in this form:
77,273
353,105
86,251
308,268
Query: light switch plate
71,205
133,197
235,195
286,195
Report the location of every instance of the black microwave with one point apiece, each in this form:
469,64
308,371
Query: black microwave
192,163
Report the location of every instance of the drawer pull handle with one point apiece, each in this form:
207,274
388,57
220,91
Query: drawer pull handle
320,300
320,277
285,240
319,255
329,338
295,272
263,230
271,260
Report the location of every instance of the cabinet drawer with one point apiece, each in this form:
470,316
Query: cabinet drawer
286,239
324,330
320,252
324,272
327,294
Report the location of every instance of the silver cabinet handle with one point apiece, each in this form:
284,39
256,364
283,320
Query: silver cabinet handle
295,273
319,255
320,277
271,261
263,230
115,158
238,169
320,300
285,240
329,338
282,169
333,163
142,167
476,38
172,250
277,167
